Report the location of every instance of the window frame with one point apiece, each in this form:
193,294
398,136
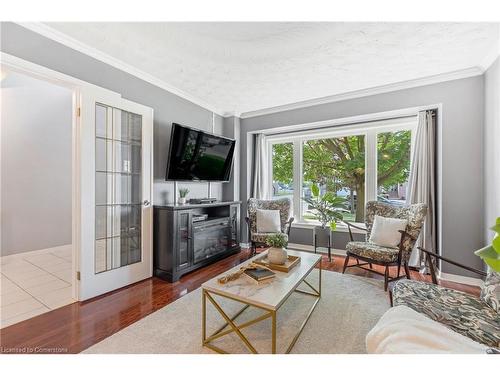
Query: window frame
369,130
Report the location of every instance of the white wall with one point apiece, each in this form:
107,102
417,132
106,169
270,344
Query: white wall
35,164
491,146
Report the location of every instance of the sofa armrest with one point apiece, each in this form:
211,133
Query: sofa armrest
402,330
430,255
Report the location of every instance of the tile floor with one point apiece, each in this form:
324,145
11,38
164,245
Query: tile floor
33,283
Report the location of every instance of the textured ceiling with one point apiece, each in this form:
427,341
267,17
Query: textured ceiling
244,67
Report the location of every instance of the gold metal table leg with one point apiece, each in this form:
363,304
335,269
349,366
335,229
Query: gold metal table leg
203,317
270,313
233,326
233,318
273,333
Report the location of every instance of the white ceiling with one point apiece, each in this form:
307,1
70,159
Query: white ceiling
244,66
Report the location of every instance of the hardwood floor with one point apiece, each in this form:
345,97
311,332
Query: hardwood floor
75,327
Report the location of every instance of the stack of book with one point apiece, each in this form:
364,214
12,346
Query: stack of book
260,274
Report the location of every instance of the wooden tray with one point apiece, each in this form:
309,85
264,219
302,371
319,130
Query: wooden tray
291,262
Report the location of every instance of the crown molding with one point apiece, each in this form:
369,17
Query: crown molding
231,114
450,76
492,56
72,43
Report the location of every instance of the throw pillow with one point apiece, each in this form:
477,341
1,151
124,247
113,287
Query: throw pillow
385,231
490,291
268,221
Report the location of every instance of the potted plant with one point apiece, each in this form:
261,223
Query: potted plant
328,210
277,253
491,256
491,253
183,192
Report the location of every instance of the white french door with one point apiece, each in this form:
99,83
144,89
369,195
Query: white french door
115,192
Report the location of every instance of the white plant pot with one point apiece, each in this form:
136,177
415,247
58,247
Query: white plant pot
182,200
276,255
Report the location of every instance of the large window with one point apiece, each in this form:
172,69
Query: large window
282,155
393,166
337,165
359,163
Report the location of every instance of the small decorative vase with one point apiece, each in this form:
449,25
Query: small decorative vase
182,200
277,255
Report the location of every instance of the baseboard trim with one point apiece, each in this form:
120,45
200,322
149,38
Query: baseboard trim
441,275
310,249
459,279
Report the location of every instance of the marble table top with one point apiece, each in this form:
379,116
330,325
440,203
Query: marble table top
271,293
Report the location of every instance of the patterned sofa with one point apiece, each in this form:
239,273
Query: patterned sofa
477,318
461,312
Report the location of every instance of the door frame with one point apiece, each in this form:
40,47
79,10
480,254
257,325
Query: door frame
94,284
14,63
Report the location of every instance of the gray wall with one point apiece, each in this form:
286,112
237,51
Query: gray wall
305,236
462,142
36,120
492,147
168,108
461,145
231,190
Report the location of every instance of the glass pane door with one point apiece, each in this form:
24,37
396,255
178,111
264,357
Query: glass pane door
118,182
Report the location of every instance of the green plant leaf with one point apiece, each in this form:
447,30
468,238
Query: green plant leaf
315,190
277,240
490,257
333,225
496,244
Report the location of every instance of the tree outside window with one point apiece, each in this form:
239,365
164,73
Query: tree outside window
338,166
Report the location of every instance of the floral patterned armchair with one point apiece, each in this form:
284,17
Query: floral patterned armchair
386,256
283,205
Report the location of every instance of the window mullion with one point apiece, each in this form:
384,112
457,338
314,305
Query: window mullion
297,179
371,166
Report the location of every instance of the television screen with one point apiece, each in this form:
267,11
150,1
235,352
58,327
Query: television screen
198,156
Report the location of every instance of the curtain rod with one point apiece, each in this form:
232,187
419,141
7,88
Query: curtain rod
348,124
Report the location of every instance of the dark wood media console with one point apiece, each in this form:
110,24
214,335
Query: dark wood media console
190,236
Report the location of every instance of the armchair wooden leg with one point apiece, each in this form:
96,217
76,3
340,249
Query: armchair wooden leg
371,266
407,271
399,269
345,263
386,278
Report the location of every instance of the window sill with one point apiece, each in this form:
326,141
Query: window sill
340,227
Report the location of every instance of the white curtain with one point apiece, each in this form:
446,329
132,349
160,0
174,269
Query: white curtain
422,184
261,174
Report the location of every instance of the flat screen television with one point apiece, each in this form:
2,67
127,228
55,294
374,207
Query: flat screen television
195,155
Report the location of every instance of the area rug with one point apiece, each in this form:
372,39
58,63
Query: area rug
349,307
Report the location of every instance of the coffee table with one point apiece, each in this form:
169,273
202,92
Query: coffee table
267,295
